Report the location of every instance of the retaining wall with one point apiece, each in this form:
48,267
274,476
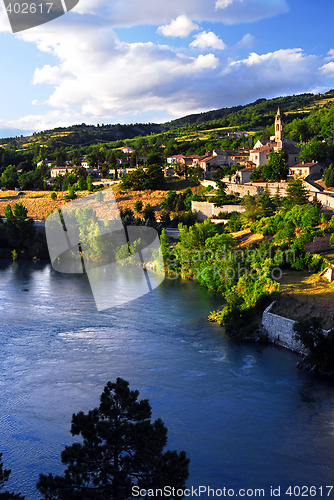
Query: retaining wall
205,209
319,244
280,330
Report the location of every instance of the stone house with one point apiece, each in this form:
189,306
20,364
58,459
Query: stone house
312,169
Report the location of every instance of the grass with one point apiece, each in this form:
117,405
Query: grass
305,295
40,205
246,237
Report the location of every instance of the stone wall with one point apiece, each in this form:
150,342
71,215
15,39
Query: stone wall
280,330
319,244
326,199
205,209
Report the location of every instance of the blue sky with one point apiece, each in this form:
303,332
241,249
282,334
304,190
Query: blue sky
124,61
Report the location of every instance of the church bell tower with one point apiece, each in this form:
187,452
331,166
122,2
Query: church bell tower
278,128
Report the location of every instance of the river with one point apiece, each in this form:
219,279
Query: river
244,414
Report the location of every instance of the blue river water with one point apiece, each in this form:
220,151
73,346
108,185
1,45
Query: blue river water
247,418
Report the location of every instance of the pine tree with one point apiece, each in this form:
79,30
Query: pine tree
120,448
297,194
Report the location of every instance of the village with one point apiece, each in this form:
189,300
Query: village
242,162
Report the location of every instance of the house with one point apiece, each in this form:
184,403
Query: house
175,159
240,156
312,169
260,156
55,171
128,151
45,163
237,134
84,163
211,162
328,273
243,176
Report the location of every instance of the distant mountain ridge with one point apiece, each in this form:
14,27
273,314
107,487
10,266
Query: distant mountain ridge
250,116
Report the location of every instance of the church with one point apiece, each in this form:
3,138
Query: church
259,155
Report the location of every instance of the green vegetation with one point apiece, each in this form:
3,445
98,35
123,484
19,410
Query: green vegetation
320,358
19,237
275,170
140,179
246,278
328,177
120,448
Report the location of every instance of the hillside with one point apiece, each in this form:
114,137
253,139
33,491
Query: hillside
261,111
254,116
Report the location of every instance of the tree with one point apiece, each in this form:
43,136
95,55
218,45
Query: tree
21,229
133,159
182,170
154,159
297,194
9,177
89,183
276,168
329,176
320,357
313,151
155,176
149,213
120,448
138,206
4,476
164,242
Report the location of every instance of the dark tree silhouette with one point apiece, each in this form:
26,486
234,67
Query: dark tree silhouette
120,448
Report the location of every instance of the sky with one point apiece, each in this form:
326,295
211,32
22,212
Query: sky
131,61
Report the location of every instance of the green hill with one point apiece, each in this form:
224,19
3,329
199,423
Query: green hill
250,117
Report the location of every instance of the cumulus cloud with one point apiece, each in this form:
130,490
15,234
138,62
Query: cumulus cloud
100,78
281,72
328,69
208,39
181,27
96,77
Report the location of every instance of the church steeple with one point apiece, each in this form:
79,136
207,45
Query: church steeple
278,127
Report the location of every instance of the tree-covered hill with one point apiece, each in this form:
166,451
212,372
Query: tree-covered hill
251,117
256,114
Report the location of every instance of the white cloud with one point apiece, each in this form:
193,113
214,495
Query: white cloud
328,69
275,73
95,77
241,11
181,27
48,74
330,54
208,39
247,42
157,12
223,4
